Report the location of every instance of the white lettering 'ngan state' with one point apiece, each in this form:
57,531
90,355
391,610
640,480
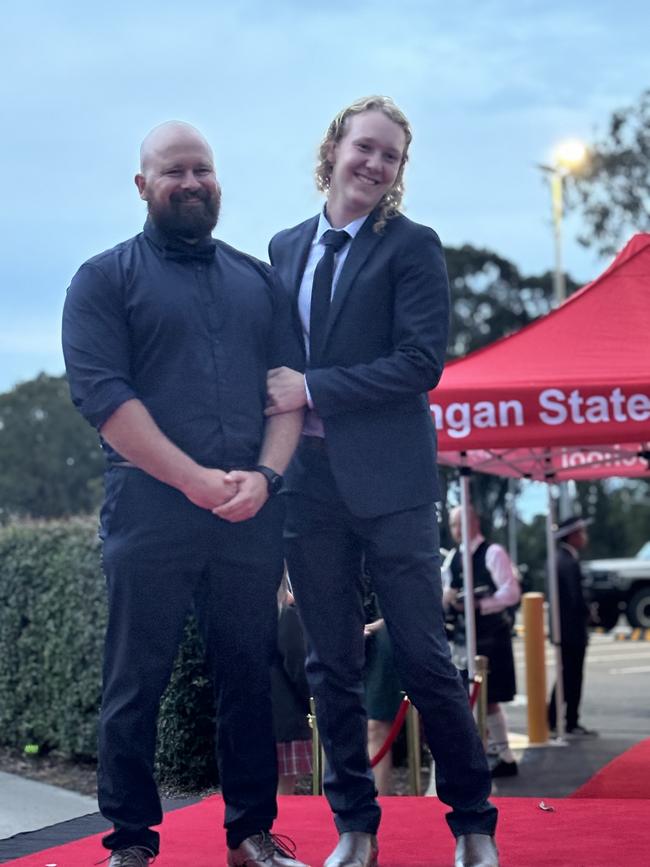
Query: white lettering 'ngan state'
459,419
558,407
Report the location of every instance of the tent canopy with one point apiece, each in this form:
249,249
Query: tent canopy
568,396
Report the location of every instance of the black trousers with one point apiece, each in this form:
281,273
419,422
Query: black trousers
325,545
162,556
573,658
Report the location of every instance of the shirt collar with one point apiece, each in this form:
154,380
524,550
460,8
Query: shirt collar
324,226
474,544
573,551
177,249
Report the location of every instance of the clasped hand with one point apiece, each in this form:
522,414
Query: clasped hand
234,496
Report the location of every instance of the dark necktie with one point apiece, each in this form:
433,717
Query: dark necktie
321,293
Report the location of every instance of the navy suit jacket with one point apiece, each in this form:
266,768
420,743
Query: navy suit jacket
384,349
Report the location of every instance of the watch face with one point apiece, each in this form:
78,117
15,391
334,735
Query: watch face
273,479
275,484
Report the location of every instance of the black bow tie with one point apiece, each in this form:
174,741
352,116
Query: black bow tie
178,251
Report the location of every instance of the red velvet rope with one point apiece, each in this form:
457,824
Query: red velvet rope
398,722
476,687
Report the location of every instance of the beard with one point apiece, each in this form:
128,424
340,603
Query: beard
189,216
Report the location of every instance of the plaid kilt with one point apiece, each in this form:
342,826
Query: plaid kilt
294,757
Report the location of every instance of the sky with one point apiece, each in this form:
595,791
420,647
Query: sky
490,86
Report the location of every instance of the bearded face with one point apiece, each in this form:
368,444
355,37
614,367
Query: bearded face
190,214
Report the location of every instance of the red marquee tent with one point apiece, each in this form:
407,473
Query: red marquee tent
568,396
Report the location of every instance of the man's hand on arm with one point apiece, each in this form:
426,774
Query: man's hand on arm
285,391
133,433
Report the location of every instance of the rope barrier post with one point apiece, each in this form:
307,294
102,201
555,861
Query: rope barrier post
316,752
413,749
468,568
481,666
535,653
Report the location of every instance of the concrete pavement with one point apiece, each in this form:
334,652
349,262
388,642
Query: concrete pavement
26,805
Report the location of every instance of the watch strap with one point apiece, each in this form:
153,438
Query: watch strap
273,479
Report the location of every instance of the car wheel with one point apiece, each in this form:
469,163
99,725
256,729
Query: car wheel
638,608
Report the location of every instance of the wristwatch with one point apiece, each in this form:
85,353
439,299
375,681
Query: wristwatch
273,480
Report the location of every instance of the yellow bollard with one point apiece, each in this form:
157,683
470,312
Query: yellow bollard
413,750
534,643
481,668
316,752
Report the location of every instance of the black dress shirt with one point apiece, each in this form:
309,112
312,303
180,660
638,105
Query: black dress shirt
191,331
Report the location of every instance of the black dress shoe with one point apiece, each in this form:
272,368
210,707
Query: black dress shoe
264,850
476,850
133,856
505,769
354,849
581,732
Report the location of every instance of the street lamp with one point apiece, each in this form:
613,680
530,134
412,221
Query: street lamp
567,157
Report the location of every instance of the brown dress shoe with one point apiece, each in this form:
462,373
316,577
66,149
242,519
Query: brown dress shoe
476,850
354,849
264,850
134,856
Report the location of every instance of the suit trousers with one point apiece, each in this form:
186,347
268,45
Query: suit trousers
163,557
325,547
573,658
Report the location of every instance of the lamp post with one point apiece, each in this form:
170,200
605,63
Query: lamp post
567,157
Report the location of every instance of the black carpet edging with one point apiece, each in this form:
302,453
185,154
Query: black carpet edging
30,842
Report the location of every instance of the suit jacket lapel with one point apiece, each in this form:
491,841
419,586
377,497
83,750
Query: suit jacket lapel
362,246
302,253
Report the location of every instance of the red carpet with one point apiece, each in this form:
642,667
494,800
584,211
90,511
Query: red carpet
627,776
579,833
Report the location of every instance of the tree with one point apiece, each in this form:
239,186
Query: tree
612,192
490,299
50,460
620,510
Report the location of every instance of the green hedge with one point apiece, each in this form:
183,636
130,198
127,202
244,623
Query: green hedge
52,620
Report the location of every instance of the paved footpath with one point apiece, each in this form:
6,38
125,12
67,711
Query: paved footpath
26,805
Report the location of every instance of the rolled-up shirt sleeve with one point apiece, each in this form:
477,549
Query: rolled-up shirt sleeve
506,579
96,345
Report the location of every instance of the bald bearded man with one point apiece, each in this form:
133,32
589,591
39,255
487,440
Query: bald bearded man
168,338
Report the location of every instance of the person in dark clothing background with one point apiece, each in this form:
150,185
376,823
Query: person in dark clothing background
290,693
572,538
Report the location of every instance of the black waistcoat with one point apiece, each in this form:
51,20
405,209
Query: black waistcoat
486,624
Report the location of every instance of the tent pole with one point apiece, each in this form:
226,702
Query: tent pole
468,573
512,520
554,601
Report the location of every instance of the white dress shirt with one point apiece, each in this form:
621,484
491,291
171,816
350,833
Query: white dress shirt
503,572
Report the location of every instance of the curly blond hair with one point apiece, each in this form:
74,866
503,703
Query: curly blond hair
391,203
